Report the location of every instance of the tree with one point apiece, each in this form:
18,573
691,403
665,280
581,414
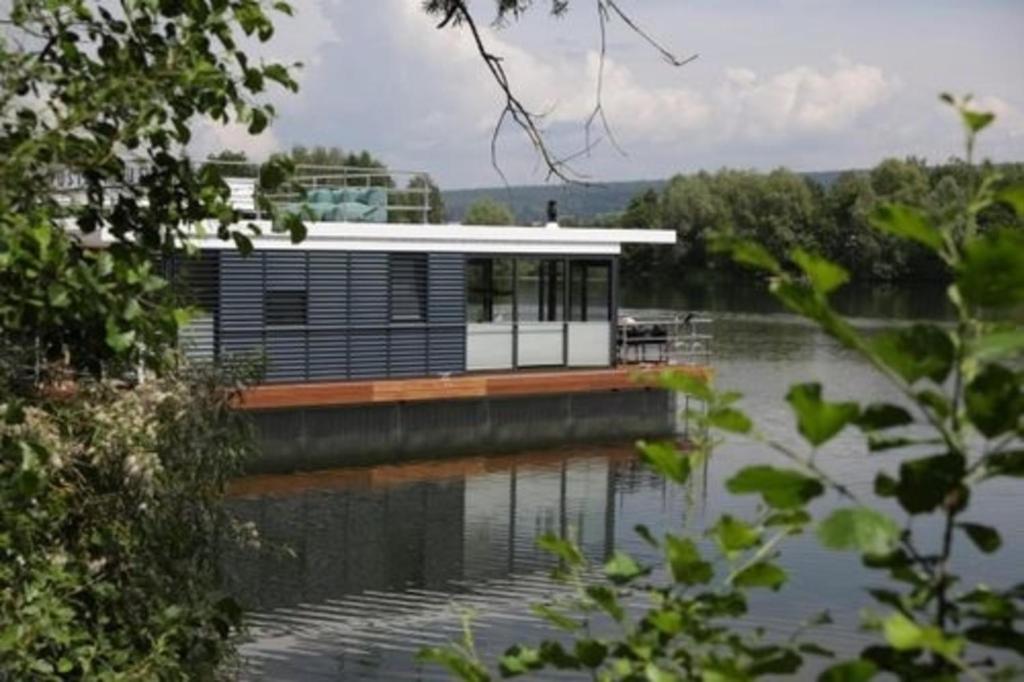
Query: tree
487,211
107,494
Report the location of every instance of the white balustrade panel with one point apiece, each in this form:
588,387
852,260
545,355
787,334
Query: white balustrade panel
541,344
488,346
589,344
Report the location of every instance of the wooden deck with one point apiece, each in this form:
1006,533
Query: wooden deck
477,385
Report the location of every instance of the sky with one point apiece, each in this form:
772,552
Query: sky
808,84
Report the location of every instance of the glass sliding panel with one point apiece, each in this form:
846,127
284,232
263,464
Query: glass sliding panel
540,302
590,291
539,290
489,332
489,290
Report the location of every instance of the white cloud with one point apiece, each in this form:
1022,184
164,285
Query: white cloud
210,137
799,100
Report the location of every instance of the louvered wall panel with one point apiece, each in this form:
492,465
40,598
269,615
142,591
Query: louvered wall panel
328,355
286,270
407,352
447,350
328,288
368,289
367,354
244,345
286,354
447,288
241,291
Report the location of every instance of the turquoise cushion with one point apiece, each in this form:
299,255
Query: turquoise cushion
374,196
345,195
353,211
322,211
319,196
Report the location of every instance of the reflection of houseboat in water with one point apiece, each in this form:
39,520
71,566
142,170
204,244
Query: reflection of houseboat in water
378,555
384,338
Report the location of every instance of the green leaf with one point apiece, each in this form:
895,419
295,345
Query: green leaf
817,420
645,533
1010,463
824,275
519,660
242,243
994,401
258,121
729,419
976,121
685,561
461,666
925,483
880,416
683,382
885,485
903,634
1013,196
564,549
652,673
999,636
556,617
922,350
761,574
801,299
998,345
780,488
606,598
666,459
590,652
554,654
734,535
984,538
992,272
859,528
118,340
622,568
849,671
906,222
752,255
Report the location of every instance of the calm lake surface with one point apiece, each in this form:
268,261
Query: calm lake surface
359,568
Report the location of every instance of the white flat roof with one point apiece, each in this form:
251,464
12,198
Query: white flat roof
337,236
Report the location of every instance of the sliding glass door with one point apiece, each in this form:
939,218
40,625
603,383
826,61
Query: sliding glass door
538,312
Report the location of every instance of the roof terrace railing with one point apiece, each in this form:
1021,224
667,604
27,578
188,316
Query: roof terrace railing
387,195
669,339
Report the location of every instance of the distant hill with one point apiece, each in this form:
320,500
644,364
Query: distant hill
529,202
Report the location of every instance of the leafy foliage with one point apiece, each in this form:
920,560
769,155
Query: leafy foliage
960,394
108,490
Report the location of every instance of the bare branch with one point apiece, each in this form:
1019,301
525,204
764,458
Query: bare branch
456,13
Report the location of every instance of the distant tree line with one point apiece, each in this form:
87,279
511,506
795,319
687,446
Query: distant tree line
783,210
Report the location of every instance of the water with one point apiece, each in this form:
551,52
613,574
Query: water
361,567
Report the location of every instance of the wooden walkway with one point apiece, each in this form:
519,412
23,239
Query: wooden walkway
477,385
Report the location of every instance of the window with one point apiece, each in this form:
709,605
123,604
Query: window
408,276
285,308
489,290
589,291
539,290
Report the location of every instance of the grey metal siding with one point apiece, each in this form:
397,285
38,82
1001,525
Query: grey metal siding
446,313
348,332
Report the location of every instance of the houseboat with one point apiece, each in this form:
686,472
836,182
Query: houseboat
382,337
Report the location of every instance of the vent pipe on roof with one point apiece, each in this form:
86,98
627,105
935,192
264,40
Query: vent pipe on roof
552,214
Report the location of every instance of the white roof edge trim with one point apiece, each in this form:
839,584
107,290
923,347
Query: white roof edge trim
330,232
